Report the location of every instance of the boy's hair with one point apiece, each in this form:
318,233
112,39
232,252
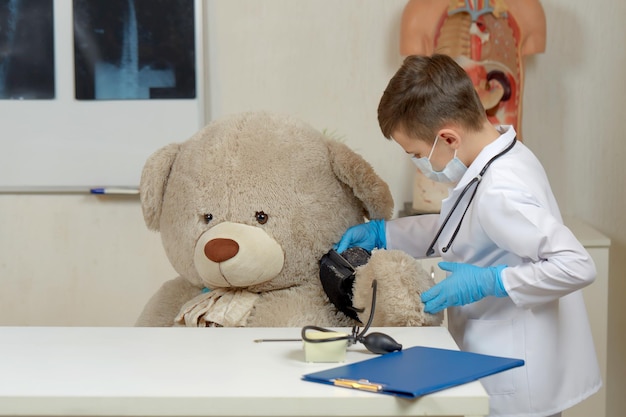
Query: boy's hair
425,94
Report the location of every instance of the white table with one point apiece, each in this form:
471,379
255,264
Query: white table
101,371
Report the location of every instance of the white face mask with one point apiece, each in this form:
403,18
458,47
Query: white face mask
452,172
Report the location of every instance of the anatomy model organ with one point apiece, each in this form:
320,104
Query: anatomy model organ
489,39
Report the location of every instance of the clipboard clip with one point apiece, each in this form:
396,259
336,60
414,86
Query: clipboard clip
361,384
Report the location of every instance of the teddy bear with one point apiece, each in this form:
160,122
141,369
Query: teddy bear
247,207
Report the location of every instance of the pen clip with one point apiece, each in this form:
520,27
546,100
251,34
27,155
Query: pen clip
361,384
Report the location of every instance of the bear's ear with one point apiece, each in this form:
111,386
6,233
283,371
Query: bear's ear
354,171
154,178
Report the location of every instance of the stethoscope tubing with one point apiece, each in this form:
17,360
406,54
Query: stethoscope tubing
476,180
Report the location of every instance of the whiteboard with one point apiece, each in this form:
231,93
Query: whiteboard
66,143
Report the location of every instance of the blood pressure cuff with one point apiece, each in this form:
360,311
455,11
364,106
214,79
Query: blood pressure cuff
337,273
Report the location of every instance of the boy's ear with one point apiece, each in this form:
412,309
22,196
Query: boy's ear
450,136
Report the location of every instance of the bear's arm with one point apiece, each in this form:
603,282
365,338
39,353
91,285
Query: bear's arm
400,281
165,304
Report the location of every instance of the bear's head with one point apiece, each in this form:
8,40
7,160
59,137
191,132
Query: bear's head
254,200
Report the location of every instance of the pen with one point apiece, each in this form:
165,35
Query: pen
117,190
276,340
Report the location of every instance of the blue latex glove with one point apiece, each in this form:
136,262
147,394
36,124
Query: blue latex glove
370,235
466,284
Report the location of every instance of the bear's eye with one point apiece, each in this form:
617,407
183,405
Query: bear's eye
261,217
207,217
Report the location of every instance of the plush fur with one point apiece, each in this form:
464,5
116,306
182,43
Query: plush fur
250,204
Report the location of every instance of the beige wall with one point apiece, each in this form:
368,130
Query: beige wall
82,260
573,120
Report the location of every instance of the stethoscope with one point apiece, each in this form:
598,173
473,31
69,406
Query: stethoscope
476,180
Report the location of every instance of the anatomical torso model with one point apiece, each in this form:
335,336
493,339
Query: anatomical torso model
489,39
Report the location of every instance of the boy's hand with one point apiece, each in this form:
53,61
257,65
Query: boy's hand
466,284
370,235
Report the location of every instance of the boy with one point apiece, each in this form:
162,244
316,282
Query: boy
515,270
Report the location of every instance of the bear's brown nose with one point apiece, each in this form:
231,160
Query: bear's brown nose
220,250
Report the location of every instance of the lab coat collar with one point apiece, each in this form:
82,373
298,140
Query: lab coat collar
507,134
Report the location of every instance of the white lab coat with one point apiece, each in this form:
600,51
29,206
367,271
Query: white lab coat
514,220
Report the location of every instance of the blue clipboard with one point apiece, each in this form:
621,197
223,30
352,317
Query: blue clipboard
415,371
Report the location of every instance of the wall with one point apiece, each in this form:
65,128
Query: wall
82,260
328,63
573,117
76,260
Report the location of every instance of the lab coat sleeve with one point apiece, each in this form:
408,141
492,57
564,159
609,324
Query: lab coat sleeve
546,260
412,234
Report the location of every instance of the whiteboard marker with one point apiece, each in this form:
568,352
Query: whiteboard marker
110,190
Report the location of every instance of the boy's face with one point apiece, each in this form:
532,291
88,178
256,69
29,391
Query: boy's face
441,155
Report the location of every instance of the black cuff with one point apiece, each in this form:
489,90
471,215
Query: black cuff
337,277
